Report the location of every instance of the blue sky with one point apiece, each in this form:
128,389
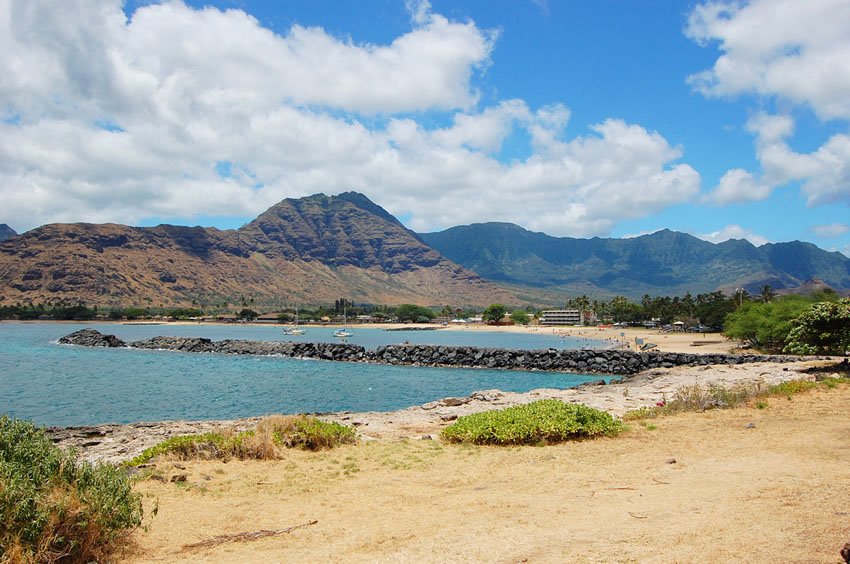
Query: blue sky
575,118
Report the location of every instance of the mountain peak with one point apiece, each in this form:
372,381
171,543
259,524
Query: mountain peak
6,232
311,250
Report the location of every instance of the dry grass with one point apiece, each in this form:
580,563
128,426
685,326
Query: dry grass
717,396
246,536
745,484
267,441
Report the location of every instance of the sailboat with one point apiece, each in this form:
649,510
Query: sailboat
343,333
294,330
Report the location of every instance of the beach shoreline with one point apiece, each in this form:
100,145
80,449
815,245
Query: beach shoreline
120,442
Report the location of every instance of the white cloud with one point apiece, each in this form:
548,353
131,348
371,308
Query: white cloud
733,232
795,52
799,51
188,92
824,174
831,230
737,186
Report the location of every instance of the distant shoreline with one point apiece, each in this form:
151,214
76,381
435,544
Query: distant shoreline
627,337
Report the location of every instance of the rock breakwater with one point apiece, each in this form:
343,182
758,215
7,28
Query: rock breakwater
617,362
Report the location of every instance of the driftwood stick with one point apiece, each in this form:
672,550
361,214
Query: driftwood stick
243,537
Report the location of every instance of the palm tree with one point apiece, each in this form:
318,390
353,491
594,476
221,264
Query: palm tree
767,294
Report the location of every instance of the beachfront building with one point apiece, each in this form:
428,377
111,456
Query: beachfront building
561,317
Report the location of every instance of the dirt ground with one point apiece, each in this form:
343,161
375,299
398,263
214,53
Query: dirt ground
744,485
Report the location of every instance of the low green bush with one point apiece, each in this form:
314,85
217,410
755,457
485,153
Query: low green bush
53,507
536,423
291,431
303,431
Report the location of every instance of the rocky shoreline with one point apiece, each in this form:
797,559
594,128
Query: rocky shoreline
593,361
664,375
116,443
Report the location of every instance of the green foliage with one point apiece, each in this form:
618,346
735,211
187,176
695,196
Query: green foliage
411,312
248,314
185,313
59,311
293,431
540,422
137,313
823,329
520,317
52,506
494,312
765,325
306,432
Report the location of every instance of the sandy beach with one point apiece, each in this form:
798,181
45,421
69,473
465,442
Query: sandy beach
611,336
626,337
750,484
739,485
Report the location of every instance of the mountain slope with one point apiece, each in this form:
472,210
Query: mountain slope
308,250
6,232
663,263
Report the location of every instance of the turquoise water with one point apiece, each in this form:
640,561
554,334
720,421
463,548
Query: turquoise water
54,384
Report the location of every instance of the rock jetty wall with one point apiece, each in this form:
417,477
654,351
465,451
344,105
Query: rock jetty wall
619,362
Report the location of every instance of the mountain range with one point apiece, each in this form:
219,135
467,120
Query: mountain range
662,263
308,250
320,248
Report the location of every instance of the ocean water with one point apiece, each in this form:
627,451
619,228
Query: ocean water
54,384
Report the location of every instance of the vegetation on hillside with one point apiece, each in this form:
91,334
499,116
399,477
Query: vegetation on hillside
55,508
537,423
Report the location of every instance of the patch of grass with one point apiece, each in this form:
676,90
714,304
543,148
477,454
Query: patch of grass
53,507
306,432
263,443
698,398
536,423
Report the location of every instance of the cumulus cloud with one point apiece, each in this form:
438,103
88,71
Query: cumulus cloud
737,186
799,51
178,111
824,174
799,54
733,232
831,230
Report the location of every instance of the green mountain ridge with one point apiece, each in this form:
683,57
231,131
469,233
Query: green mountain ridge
662,263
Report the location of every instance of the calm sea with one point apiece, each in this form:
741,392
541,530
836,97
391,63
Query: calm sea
54,384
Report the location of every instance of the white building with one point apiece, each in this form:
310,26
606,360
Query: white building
561,317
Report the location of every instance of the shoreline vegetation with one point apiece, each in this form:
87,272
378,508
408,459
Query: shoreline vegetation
117,443
742,446
632,491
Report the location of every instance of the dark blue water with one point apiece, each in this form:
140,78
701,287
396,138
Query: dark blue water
54,384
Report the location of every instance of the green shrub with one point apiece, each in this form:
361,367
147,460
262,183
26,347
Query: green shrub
305,432
291,431
52,506
539,422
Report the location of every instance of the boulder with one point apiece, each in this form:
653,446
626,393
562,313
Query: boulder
92,338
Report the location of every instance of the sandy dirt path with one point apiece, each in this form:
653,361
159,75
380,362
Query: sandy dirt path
754,485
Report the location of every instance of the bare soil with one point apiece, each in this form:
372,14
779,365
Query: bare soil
743,485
